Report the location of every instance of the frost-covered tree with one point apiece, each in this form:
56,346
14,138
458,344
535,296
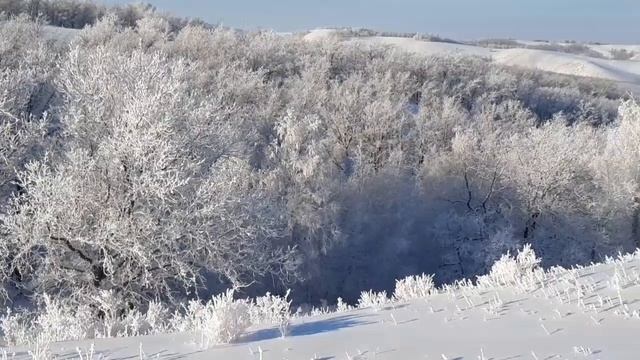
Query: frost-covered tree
618,175
26,69
548,168
127,206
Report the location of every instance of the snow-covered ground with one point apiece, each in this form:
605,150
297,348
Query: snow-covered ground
59,34
623,71
583,313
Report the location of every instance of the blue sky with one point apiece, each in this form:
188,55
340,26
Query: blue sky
585,20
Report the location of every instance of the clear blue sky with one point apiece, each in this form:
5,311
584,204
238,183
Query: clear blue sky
586,20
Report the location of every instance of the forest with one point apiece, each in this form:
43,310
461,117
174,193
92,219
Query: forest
160,160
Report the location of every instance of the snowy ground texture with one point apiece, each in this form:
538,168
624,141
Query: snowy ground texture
584,313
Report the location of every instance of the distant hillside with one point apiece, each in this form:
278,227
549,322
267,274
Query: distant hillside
529,55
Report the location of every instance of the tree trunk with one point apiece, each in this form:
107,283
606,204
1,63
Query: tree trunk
531,225
635,222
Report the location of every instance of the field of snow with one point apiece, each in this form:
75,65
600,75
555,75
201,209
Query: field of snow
622,71
59,34
584,313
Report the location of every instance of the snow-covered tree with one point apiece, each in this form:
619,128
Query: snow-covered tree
617,174
127,206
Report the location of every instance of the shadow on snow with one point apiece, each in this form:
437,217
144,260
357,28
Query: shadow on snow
309,328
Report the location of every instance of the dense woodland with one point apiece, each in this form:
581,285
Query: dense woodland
155,162
76,14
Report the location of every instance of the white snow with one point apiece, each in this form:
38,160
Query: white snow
56,34
605,49
59,34
322,34
572,314
424,47
570,64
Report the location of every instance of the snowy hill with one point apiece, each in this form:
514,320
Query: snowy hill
583,313
623,71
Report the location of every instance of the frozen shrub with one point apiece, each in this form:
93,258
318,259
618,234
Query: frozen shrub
61,321
527,260
188,317
111,322
414,287
137,323
17,327
342,306
621,54
519,271
374,300
130,324
156,318
53,321
225,319
219,321
272,309
22,44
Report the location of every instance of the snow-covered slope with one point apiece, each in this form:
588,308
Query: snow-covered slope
59,34
423,47
602,49
605,49
584,313
570,64
625,71
56,34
